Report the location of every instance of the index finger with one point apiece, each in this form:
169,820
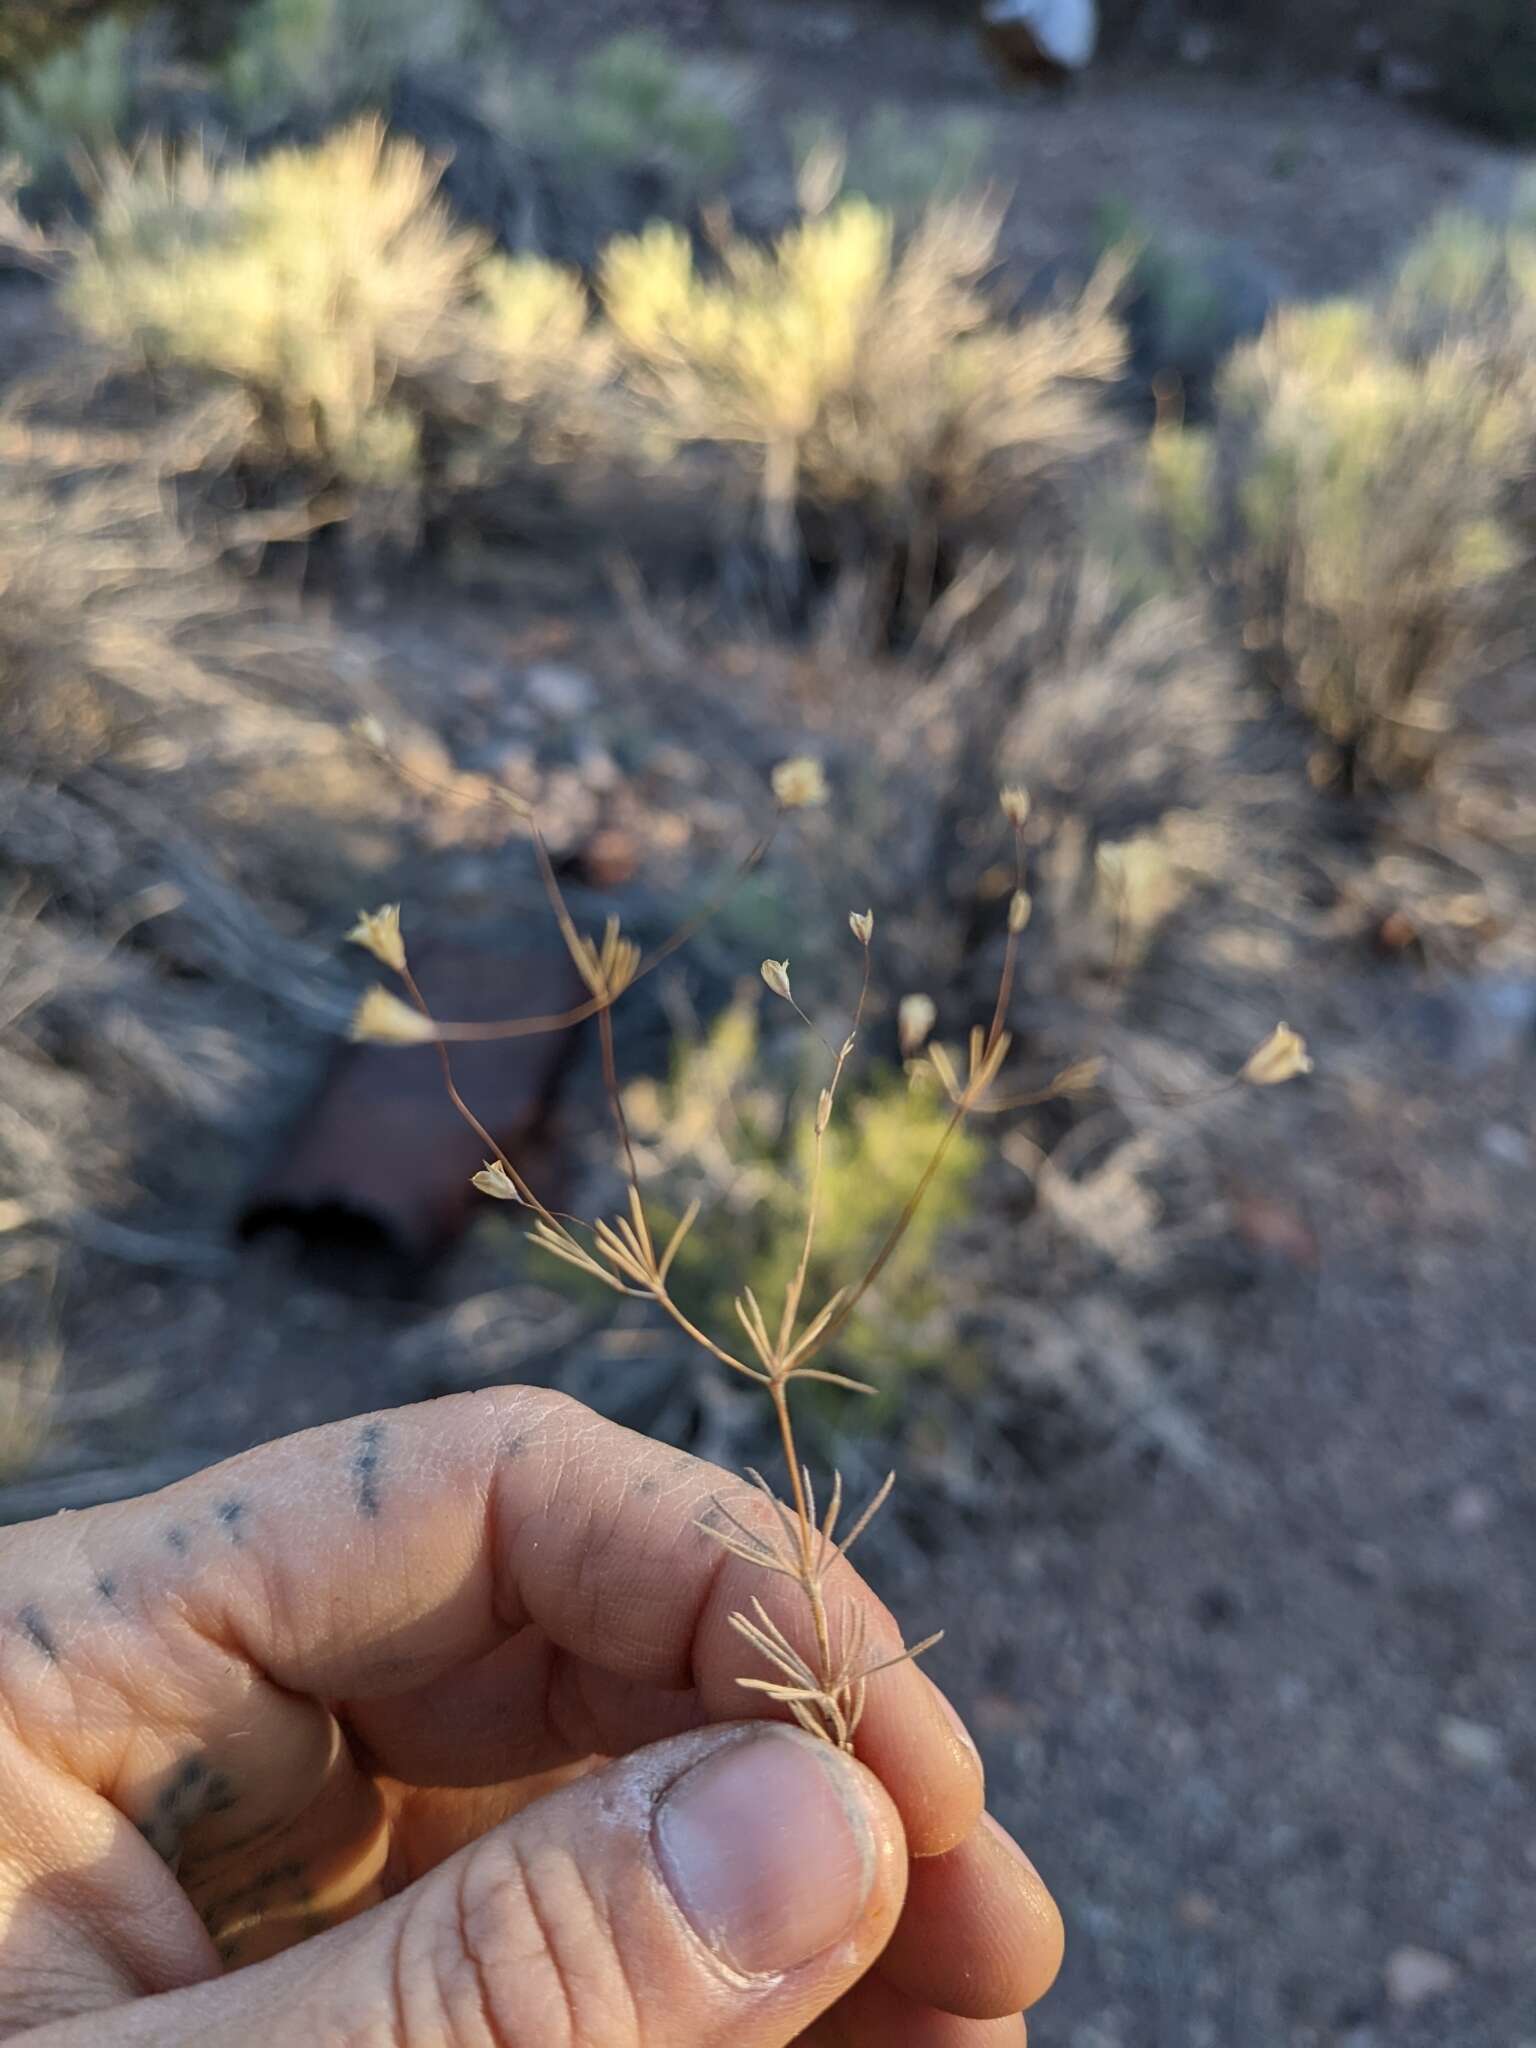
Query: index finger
369,1558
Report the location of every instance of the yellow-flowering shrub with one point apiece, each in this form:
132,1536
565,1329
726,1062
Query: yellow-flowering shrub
858,373
334,287
320,280
1364,492
546,359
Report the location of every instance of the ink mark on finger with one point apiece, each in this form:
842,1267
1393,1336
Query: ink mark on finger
230,1515
106,1588
365,1468
221,1795
176,1537
38,1633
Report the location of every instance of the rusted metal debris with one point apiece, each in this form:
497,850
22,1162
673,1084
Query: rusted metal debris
372,1184
1045,40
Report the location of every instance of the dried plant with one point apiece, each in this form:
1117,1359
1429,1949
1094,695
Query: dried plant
824,1684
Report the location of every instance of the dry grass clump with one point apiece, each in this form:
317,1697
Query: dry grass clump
172,789
100,597
862,376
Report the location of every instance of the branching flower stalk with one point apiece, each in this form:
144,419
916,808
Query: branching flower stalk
824,1686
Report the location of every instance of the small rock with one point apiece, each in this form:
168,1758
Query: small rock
1196,1911
1403,79
828,28
518,768
1471,1745
597,767
1509,1146
1473,1024
558,691
609,859
1413,1975
1472,1508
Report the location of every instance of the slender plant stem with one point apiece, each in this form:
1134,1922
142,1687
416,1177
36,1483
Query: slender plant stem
1010,950
691,1329
795,1292
779,1391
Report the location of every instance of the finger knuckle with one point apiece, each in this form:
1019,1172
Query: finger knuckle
529,1956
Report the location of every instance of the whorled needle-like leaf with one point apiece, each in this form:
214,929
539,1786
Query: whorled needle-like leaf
690,1216
864,1520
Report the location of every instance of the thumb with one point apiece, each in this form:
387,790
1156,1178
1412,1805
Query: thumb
722,1888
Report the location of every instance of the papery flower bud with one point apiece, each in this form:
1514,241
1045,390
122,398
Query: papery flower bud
776,974
494,1180
862,924
1281,1057
378,933
382,1019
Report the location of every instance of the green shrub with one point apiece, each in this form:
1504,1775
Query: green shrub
289,55
860,373
892,159
77,100
722,1129
1362,493
631,105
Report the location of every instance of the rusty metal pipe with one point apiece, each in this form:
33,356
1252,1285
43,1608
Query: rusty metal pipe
372,1183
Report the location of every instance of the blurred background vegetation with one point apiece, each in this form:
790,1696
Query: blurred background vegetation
611,401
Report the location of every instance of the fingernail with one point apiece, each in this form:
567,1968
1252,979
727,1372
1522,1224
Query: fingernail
952,1715
768,1849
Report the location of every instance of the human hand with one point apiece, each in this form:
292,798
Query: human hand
424,1729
